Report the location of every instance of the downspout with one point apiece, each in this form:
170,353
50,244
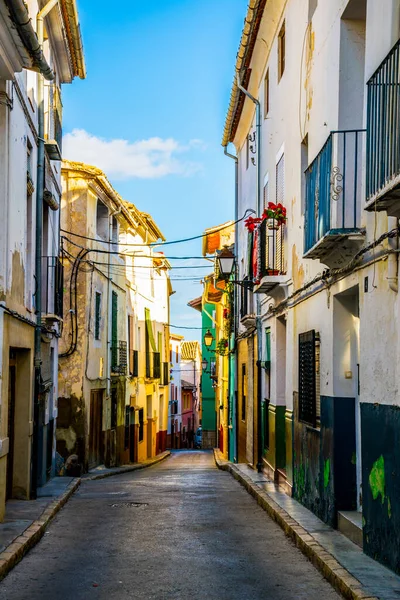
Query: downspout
393,259
235,312
258,299
38,248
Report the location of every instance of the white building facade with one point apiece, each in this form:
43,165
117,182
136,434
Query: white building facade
325,298
37,56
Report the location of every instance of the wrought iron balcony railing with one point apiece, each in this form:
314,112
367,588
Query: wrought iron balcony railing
383,135
332,228
271,257
119,358
52,286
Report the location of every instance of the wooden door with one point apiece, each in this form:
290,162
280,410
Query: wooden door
11,425
96,429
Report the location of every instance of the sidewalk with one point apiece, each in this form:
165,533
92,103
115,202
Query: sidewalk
343,563
26,520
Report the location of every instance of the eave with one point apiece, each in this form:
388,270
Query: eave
242,68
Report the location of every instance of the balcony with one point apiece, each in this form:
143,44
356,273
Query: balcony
52,288
332,228
271,259
119,358
383,136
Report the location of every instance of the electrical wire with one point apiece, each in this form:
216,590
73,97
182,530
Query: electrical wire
190,239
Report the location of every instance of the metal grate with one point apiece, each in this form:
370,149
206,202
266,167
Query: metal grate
272,250
307,379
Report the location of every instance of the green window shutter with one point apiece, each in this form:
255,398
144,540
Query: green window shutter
268,345
97,316
149,329
114,319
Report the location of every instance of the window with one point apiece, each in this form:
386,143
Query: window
281,51
114,238
131,337
97,315
280,180
113,408
127,424
244,390
141,425
186,401
102,220
266,94
114,330
309,378
266,191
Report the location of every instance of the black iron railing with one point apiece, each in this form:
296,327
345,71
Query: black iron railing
271,250
383,117
52,286
119,358
333,187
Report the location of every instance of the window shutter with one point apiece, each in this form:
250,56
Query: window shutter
97,316
131,343
307,379
280,180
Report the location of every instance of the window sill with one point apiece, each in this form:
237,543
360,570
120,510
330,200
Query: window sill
312,429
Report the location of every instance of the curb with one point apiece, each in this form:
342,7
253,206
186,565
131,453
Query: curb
147,463
31,536
15,552
331,569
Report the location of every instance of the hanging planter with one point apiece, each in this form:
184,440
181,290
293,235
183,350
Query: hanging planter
275,215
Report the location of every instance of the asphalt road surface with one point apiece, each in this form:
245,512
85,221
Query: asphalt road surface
178,530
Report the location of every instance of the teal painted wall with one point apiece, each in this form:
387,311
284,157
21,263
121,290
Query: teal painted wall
232,407
208,419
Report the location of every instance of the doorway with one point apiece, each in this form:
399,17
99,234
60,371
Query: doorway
346,364
96,455
11,422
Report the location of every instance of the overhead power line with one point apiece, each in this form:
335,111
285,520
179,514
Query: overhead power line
189,239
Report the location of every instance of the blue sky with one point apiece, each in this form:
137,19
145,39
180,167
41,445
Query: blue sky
151,114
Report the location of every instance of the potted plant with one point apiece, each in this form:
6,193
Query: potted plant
275,215
222,346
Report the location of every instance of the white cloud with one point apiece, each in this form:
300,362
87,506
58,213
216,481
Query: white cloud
120,159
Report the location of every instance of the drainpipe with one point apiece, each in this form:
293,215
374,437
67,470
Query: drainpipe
235,310
38,248
392,276
258,299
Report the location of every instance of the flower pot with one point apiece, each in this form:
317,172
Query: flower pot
272,224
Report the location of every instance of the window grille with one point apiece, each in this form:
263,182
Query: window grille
309,378
97,316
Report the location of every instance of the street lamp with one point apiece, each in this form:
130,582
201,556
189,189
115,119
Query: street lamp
204,364
225,260
208,338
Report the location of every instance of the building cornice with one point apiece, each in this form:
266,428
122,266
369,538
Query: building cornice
242,68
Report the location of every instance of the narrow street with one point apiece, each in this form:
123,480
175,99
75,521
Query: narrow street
181,529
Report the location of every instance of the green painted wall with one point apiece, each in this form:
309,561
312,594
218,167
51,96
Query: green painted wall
208,419
380,441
